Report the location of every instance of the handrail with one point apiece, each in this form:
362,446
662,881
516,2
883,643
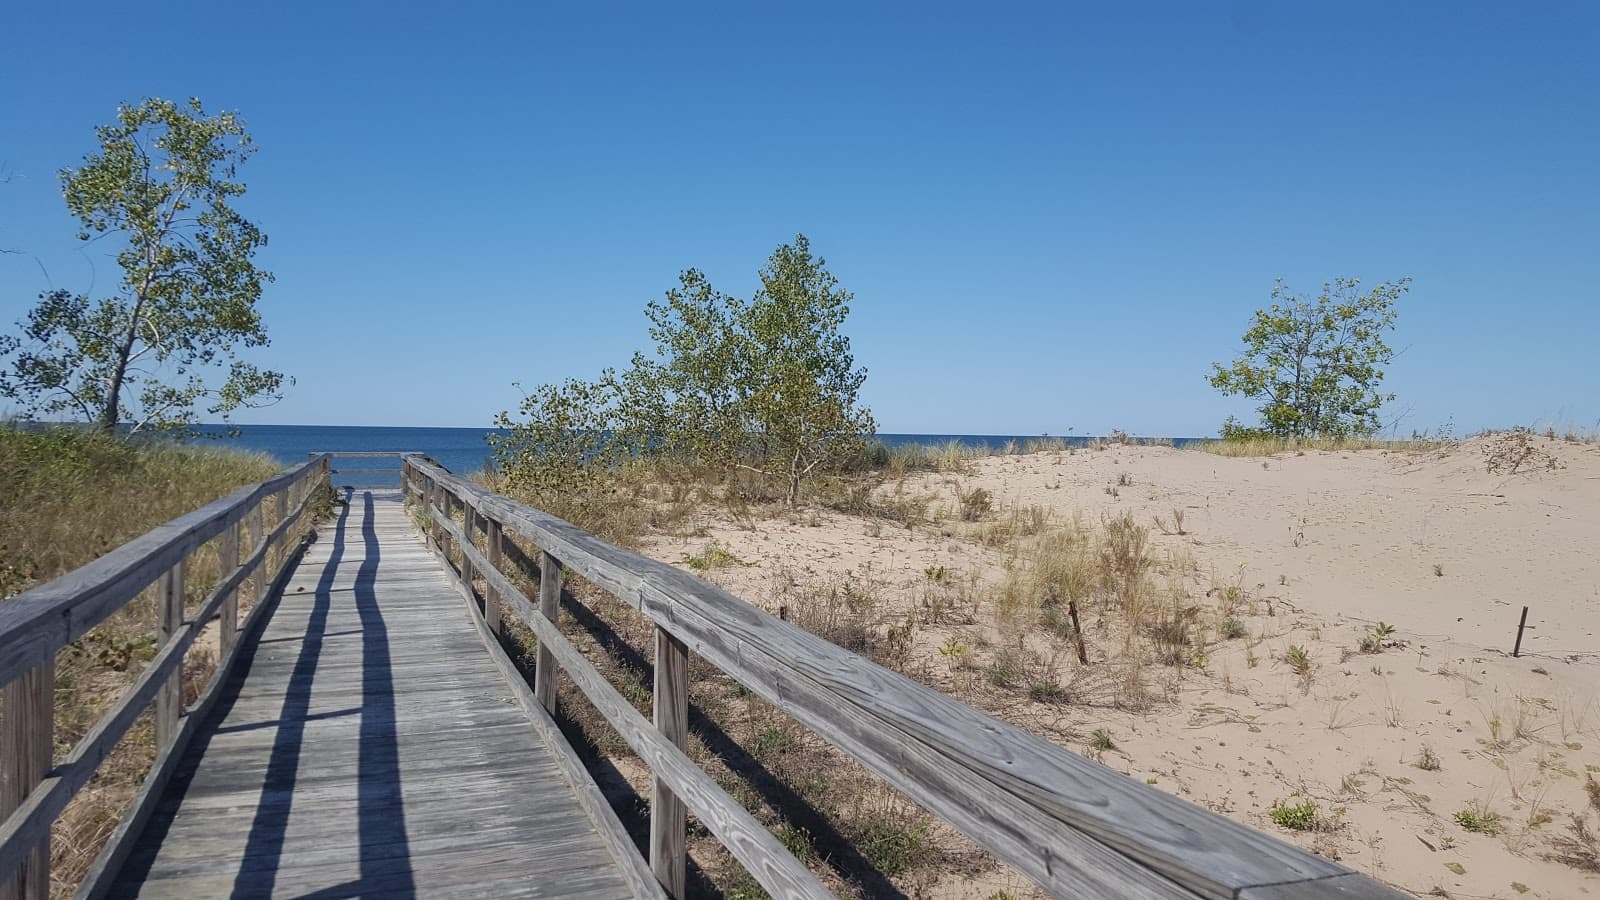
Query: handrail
1070,824
38,623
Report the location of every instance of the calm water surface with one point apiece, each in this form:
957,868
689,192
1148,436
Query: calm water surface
466,450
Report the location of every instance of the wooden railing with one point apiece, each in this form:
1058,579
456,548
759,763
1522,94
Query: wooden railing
37,624
1072,825
349,470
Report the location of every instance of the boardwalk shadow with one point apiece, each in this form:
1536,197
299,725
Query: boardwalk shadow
383,853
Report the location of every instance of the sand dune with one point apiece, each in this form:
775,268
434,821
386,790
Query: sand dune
1319,548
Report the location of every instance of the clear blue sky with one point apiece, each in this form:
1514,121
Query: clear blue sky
1052,216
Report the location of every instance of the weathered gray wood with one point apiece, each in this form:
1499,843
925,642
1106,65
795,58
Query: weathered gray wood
1337,887
1070,824
641,880
32,819
38,622
281,509
368,749
468,528
767,861
169,700
546,678
27,741
258,581
116,850
228,621
668,846
491,597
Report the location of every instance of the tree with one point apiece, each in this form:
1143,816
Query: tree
801,381
1316,363
162,185
767,385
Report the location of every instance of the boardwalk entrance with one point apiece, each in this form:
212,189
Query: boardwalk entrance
368,745
365,736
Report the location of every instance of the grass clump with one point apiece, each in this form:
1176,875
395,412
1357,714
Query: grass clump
1260,445
715,556
1301,816
1478,820
1427,760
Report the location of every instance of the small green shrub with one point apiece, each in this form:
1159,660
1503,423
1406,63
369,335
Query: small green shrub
1233,628
1295,816
1478,820
1100,741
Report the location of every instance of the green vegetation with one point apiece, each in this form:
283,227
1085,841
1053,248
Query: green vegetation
765,387
69,495
1314,364
1296,816
1478,820
161,189
1237,444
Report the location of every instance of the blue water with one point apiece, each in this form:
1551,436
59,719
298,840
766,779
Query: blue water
466,450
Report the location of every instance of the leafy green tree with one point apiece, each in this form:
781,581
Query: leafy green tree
162,186
768,385
801,382
1315,364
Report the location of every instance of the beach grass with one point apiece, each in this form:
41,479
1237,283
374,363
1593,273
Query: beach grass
68,496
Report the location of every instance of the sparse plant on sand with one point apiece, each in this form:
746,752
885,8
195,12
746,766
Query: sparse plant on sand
1479,819
1377,638
1427,760
1302,816
1578,848
1100,743
975,503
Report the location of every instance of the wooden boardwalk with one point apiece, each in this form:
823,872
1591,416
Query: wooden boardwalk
369,745
365,735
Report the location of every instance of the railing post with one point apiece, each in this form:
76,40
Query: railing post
258,578
228,618
279,545
544,673
667,814
468,524
169,702
27,742
491,597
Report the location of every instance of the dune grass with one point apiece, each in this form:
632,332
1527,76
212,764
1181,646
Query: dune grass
68,496
1270,446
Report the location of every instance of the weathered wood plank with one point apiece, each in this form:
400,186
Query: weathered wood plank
491,597
634,868
751,844
169,699
27,733
370,746
1067,822
228,621
668,846
546,677
31,820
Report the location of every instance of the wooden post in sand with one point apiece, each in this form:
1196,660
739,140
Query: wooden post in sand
1522,626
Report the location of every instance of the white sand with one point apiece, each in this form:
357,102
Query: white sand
1331,542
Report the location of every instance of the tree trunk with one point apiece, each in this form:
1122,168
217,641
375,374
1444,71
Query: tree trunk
794,480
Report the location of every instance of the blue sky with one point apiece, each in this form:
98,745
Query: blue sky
1053,217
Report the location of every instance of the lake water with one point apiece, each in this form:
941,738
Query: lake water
466,450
